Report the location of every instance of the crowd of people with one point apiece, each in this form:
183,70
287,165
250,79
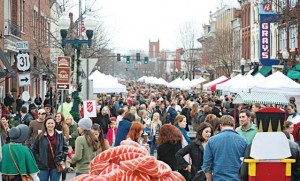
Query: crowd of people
156,117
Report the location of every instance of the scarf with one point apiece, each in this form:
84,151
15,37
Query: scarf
184,133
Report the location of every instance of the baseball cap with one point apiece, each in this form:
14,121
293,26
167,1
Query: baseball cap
41,111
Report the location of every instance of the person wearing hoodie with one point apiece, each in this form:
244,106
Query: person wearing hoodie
169,142
124,127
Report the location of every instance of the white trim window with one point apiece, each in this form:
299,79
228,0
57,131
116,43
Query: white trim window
293,3
293,32
282,4
282,39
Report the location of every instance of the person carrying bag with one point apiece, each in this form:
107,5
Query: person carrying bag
19,163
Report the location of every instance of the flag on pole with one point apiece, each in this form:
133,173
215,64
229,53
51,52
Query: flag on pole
82,27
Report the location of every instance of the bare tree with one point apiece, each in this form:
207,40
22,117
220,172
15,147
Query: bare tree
222,51
189,32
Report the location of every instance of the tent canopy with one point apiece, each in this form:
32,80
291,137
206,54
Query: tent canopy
265,70
278,83
262,98
105,83
214,82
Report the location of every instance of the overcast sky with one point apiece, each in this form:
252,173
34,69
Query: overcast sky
131,23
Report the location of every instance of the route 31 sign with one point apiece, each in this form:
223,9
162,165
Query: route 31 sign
23,62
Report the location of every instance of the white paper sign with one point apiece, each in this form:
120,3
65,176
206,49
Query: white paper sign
89,108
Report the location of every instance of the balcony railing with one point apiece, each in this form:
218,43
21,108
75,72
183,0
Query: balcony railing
11,28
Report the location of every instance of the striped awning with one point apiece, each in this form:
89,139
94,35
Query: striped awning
262,98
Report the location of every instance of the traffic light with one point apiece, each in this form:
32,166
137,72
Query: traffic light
146,60
118,57
127,59
138,57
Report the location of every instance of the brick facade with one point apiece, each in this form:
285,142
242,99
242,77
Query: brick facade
246,31
31,22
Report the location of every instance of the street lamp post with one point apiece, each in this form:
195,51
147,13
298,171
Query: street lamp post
64,24
285,56
242,63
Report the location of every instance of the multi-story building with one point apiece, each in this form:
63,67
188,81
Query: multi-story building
218,42
289,31
24,21
246,28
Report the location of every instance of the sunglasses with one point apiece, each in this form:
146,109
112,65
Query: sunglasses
42,113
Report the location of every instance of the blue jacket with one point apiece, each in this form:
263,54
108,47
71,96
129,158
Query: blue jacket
123,130
171,115
222,155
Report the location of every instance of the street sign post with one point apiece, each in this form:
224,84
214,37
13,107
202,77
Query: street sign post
22,45
23,62
63,73
24,79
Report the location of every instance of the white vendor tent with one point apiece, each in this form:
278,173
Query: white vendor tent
198,81
214,82
278,83
105,83
226,85
175,83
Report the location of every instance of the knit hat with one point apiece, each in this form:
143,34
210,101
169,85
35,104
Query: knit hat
32,106
85,123
19,134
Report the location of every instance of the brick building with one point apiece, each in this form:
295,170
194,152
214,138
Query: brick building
22,20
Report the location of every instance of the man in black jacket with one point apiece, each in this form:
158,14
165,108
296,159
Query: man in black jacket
217,110
25,117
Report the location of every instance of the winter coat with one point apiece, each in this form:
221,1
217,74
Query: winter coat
196,151
166,153
40,150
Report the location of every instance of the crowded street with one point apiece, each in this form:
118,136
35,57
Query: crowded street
154,90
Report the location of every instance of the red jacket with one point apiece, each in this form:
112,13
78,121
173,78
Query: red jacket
111,134
295,132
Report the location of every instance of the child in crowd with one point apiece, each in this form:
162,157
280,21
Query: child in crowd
112,131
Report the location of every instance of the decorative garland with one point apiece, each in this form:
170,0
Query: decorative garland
77,100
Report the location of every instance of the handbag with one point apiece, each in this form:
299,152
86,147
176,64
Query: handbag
200,176
62,165
24,177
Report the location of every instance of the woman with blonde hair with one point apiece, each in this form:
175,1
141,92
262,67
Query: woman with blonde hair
155,125
195,119
73,132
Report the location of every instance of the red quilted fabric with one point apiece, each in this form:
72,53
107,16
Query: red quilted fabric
128,162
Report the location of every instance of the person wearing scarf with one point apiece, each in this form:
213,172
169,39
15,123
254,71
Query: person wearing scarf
181,122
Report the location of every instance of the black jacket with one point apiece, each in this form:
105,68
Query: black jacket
19,103
216,111
196,151
26,119
103,121
166,153
40,150
187,113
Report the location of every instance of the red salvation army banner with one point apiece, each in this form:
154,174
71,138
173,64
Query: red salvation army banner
89,108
